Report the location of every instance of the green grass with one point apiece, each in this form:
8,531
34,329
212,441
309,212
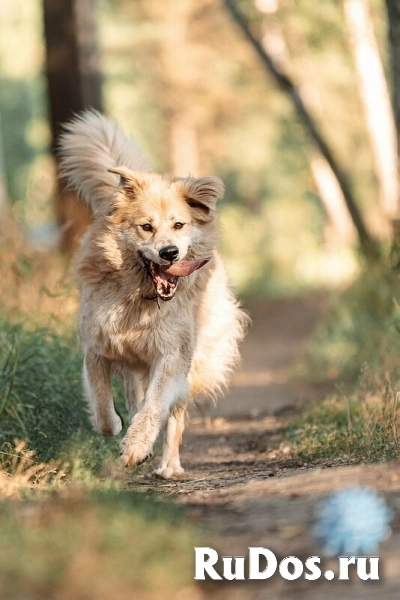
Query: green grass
41,400
77,546
357,345
344,430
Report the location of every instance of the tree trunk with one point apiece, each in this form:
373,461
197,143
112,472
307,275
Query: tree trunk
341,231
73,85
368,244
178,76
3,188
393,11
184,153
376,102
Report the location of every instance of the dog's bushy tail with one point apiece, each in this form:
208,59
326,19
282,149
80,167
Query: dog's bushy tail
89,146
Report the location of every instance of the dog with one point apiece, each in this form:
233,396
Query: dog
156,309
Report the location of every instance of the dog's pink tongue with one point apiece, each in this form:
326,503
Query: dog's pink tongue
183,268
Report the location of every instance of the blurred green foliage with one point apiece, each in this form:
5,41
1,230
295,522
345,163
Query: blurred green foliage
187,58
362,329
93,547
358,345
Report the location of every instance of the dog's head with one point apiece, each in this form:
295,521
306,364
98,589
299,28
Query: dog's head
168,222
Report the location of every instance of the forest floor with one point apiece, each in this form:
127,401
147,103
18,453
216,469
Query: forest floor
244,486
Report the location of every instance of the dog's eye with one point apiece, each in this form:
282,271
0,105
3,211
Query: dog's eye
146,227
178,225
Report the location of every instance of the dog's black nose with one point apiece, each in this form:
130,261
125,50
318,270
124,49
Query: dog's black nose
169,253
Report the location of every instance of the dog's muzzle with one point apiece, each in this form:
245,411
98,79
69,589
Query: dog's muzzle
166,278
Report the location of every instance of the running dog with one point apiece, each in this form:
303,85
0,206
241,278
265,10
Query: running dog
156,308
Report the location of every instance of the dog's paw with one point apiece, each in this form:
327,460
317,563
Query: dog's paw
131,458
112,426
168,472
133,454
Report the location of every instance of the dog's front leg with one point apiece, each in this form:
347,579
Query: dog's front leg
163,391
134,390
97,384
170,462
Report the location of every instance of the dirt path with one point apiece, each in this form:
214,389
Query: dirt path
243,486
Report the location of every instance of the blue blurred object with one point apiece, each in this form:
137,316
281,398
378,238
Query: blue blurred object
352,522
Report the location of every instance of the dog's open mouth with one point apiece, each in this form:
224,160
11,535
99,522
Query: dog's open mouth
166,278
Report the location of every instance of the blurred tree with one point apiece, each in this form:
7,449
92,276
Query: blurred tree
238,125
340,229
288,87
393,10
375,99
72,67
177,78
3,193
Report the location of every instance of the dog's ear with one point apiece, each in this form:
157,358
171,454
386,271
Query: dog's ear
129,185
131,181
201,194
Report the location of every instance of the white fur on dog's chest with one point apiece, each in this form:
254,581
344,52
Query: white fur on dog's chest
165,355
134,336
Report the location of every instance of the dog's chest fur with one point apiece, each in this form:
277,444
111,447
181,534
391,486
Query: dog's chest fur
134,331
122,324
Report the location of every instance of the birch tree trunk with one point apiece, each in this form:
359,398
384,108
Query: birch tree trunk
375,98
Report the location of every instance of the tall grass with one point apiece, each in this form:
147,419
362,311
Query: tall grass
41,395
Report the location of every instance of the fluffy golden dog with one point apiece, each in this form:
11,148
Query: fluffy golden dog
156,309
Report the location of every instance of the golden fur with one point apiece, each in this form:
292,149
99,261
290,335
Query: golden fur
166,351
